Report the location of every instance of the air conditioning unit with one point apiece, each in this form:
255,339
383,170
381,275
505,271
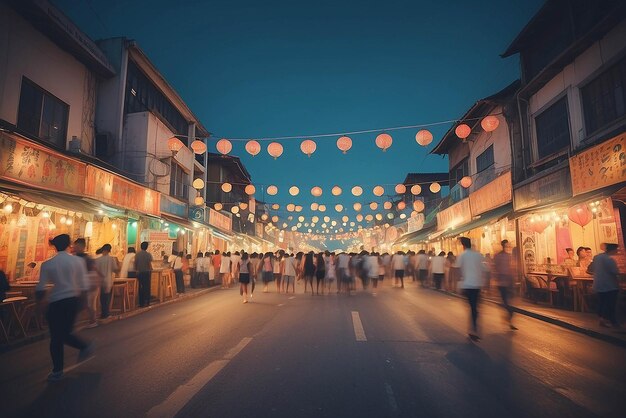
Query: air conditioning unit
75,145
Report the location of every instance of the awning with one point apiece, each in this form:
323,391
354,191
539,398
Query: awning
178,221
481,220
415,237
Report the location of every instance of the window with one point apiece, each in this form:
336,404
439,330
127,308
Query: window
456,174
485,160
553,129
604,98
179,182
41,114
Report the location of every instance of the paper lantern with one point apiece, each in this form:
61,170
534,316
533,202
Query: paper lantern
416,189
336,191
489,123
234,209
300,218
384,141
401,205
322,208
435,187
369,218
291,207
271,190
243,205
463,131
224,146
316,191
373,206
275,219
250,189
357,206
265,217
403,216
424,137
418,206
359,218
400,188
275,149
466,182
227,187
580,214
315,206
539,225
293,190
198,184
344,143
315,219
298,208
275,206
308,147
339,208
378,191
253,147
387,205
198,200
198,147
357,190
174,144
218,206
345,219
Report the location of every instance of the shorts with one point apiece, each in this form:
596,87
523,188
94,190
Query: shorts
400,274
244,278
267,276
288,279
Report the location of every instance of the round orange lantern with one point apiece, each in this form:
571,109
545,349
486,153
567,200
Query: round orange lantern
539,225
315,219
580,214
271,190
253,147
293,190
384,141
401,205
339,208
298,208
369,218
227,187
243,205
234,209
275,219
416,189
344,143
400,188
275,206
174,144
308,147
316,191
250,189
463,131
291,207
357,206
378,191
218,206
345,219
224,146
359,218
322,208
336,191
315,206
198,200
387,205
275,149
198,147
424,137
418,206
357,190
198,184
373,206
489,123
466,182
435,187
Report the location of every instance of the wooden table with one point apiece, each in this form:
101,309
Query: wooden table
12,305
159,282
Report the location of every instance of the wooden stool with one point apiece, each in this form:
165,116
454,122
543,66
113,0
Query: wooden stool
120,289
168,288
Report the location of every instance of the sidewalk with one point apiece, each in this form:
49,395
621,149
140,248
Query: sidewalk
38,335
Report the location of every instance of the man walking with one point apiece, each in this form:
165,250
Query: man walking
504,278
143,265
606,284
68,274
470,264
106,266
94,281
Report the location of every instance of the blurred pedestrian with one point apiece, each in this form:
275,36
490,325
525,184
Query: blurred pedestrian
289,273
422,267
438,269
128,269
606,284
106,265
372,268
267,270
225,270
503,268
68,274
308,269
331,271
244,269
398,264
143,264
471,268
80,245
278,269
320,272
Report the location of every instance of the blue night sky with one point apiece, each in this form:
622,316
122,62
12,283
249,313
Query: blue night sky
259,69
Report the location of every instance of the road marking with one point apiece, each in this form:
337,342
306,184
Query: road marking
292,297
68,369
391,398
359,332
281,304
183,394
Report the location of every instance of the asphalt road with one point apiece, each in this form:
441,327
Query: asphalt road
399,353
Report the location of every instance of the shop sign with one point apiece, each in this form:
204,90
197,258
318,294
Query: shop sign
258,229
415,223
198,215
171,206
113,189
158,236
219,220
492,195
34,165
600,166
456,215
552,188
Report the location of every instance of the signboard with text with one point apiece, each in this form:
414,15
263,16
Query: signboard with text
219,220
456,215
492,195
600,166
552,188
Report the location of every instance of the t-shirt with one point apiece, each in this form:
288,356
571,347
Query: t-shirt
290,266
106,266
216,259
438,264
176,262
143,261
243,266
472,269
605,273
225,266
422,262
276,266
372,266
128,264
343,261
267,265
67,273
398,262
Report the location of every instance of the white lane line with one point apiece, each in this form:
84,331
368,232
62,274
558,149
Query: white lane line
281,304
291,297
69,369
391,398
183,394
359,332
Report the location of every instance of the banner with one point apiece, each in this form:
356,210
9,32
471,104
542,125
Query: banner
492,195
600,166
456,215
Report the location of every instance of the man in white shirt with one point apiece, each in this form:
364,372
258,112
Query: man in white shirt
421,266
176,260
289,272
470,264
343,268
106,265
398,264
68,274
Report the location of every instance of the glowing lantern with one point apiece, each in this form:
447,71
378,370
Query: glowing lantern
435,187
234,209
224,146
416,189
275,219
253,147
539,225
373,206
250,189
243,205
293,190
291,207
316,191
174,144
359,218
424,137
344,143
336,191
357,190
387,205
384,141
198,200
463,131
314,206
322,208
264,217
400,188
275,206
403,216
378,191
580,215
401,205
418,206
272,190
315,219
308,147
489,123
339,208
300,218
357,206
345,219
369,218
218,206
298,208
227,187
275,149
198,147
466,182
198,184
